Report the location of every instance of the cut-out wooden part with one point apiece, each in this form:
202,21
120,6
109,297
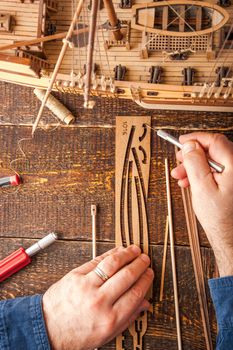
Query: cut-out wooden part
133,156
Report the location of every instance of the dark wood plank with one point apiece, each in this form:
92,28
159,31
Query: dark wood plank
50,265
68,170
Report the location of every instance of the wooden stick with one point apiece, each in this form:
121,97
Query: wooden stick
90,50
93,215
58,64
113,20
197,264
164,261
42,39
171,236
191,224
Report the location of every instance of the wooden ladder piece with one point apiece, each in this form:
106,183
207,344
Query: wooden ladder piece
133,154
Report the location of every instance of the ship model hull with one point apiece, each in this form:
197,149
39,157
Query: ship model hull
174,54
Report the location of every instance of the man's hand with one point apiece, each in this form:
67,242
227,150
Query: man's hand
212,193
82,312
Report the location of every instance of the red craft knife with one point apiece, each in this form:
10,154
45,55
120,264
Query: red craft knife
21,257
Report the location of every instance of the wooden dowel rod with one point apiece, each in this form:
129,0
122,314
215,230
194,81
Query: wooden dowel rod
93,216
58,64
164,261
192,229
173,261
90,51
113,20
43,39
197,264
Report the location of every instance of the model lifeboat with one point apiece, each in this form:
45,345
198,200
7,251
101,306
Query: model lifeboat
179,18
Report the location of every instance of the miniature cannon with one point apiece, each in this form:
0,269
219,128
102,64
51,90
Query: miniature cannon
120,72
155,74
188,75
221,72
126,4
224,3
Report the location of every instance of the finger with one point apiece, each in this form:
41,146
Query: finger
90,265
145,306
179,156
197,167
132,299
184,183
179,172
218,146
113,263
125,278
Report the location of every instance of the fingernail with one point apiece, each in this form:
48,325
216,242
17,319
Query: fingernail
188,147
135,249
145,258
173,172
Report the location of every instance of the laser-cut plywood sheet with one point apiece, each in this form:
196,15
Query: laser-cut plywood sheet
133,154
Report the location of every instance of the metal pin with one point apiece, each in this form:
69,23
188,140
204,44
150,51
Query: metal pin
216,166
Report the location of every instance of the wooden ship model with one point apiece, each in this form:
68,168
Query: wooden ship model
172,54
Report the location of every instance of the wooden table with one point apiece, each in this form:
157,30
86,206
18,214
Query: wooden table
70,168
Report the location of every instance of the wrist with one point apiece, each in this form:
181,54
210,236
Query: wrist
50,324
224,260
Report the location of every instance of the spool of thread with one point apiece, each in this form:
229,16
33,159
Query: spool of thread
55,106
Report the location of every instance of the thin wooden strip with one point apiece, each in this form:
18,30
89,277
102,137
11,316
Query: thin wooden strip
93,215
172,248
192,229
197,265
164,261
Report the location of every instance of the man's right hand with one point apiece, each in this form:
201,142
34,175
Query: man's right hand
212,192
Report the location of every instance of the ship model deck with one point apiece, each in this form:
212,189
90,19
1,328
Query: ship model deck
172,54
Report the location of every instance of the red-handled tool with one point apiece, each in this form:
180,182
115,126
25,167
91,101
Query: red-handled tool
14,180
21,258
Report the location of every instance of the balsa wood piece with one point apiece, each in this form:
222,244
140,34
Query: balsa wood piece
173,260
164,260
42,39
133,155
93,220
191,223
60,111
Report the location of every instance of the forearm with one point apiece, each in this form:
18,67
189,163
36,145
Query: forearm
222,294
22,324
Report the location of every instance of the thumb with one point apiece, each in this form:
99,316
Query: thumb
196,165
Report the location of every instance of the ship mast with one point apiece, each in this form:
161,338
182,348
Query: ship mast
90,51
66,43
115,25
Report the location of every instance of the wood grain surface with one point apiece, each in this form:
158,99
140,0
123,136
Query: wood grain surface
65,170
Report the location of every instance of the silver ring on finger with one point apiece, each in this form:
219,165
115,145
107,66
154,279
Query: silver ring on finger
101,274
